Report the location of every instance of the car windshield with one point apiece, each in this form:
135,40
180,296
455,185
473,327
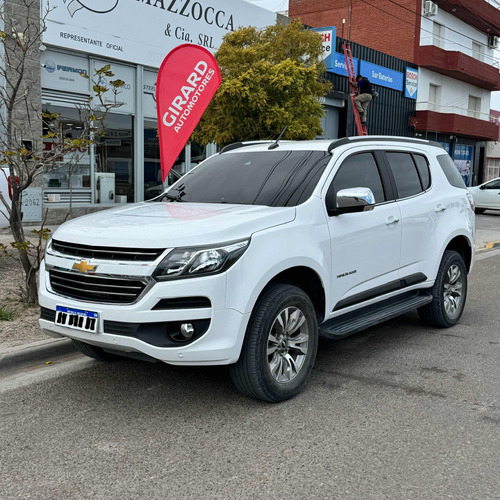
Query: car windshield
272,178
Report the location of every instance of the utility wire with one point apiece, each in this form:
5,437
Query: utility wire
425,17
411,23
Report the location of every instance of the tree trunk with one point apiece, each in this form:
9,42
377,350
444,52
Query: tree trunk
31,288
28,267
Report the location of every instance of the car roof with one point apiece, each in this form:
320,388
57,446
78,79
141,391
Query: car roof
324,144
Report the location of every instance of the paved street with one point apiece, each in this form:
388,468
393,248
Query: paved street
487,228
398,411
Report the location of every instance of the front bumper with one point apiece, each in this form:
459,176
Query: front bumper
219,345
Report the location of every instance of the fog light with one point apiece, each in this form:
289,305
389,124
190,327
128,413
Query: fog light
187,330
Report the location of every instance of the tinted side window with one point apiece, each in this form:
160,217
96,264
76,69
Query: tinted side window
451,171
358,171
492,185
423,171
405,174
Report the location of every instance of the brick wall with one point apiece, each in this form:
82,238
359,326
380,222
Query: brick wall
379,24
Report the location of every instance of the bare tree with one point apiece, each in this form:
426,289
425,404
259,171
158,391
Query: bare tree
22,120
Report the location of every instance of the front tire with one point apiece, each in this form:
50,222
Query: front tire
280,346
449,292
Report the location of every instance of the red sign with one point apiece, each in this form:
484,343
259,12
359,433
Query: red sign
188,79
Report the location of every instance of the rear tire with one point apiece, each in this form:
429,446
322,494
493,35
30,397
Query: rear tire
94,352
280,346
449,293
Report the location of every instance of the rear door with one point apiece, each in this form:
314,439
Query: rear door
421,210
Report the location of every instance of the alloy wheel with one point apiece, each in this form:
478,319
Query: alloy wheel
287,344
453,291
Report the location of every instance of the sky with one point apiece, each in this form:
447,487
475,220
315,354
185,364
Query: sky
274,5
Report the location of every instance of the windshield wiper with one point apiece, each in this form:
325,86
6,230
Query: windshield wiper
171,197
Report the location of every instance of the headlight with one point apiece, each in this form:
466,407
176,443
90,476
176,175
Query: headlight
199,261
48,248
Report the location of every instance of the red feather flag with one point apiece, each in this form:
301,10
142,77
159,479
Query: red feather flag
188,79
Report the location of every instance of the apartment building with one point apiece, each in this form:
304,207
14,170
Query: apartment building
453,43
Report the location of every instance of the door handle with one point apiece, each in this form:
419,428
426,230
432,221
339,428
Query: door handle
391,220
440,208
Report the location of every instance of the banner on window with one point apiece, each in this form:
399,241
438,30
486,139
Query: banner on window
188,79
463,160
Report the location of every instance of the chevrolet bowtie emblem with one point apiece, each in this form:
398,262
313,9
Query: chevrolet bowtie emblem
83,267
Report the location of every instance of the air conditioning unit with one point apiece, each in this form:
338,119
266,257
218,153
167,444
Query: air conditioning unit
492,42
430,8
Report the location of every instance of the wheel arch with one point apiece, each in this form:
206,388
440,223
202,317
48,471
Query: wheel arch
307,280
462,245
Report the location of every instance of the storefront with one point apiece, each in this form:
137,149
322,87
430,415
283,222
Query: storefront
133,38
395,81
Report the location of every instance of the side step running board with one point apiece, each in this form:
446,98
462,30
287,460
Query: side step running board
372,315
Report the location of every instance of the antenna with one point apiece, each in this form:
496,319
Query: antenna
274,145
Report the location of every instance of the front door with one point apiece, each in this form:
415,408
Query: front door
489,195
365,245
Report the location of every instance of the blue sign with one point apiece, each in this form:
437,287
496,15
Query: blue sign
446,146
337,64
411,83
379,75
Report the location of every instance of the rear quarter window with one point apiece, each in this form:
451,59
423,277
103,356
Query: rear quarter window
423,171
451,171
405,174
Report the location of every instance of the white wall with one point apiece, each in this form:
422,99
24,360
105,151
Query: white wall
457,36
454,94
143,32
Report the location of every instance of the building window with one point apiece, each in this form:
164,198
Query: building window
153,185
477,51
493,168
474,107
69,180
115,161
434,97
438,35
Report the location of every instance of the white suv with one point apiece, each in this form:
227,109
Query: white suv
260,249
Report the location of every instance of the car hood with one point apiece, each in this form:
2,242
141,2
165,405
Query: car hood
167,225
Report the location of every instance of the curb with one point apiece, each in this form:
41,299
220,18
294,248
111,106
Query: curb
491,245
43,350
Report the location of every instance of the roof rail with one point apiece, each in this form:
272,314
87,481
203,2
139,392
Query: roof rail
237,145
348,140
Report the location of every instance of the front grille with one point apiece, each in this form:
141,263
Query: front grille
107,253
96,288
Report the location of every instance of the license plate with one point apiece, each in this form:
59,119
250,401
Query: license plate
77,319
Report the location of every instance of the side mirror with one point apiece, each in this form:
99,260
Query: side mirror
482,187
358,199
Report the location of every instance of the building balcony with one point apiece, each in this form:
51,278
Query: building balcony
449,123
478,13
459,66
